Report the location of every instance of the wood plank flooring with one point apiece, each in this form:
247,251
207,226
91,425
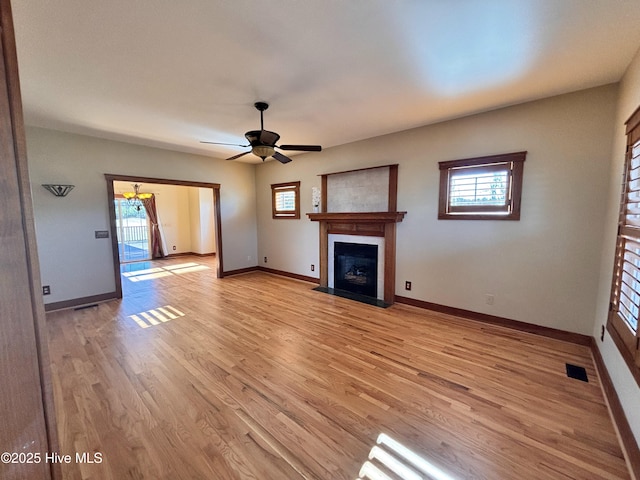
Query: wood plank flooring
259,377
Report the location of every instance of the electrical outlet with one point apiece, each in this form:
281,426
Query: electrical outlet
265,259
489,299
46,290
313,268
407,285
174,247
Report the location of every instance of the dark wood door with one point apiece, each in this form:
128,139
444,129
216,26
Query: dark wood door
27,428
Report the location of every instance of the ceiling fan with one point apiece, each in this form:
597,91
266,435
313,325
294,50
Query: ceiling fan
263,142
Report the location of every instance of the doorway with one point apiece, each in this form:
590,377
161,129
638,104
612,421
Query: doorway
213,188
132,227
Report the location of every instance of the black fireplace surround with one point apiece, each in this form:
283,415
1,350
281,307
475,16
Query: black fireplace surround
356,268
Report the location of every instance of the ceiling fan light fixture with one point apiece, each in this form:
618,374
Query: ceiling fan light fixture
263,151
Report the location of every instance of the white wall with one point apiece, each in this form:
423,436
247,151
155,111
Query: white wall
194,219
542,269
625,385
172,203
201,215
207,224
72,261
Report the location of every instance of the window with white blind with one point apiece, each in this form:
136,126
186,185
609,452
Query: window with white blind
624,309
482,188
285,200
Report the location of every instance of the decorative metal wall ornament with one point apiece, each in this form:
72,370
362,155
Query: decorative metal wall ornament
58,190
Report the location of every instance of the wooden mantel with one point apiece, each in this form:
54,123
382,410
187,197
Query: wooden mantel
375,224
358,217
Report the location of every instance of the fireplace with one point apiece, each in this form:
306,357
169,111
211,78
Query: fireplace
356,268
370,228
360,206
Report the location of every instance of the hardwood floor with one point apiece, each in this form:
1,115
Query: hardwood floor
258,376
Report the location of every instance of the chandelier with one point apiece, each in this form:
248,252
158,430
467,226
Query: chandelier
135,198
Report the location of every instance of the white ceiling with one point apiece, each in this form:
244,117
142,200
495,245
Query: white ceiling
170,73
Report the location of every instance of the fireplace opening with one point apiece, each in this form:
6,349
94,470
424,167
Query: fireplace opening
356,268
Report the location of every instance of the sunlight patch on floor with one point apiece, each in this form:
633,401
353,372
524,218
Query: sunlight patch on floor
196,268
142,272
150,276
159,272
181,265
389,460
156,316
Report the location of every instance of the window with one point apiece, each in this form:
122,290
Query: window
624,309
285,200
483,188
132,231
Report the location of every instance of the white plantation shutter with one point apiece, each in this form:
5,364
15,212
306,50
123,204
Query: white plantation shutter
482,188
285,200
625,292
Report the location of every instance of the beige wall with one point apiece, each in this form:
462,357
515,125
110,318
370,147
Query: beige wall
541,269
625,384
72,261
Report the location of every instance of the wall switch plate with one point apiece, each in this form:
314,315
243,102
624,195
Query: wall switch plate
46,290
407,285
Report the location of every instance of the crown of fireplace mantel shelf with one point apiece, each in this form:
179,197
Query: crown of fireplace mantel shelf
357,217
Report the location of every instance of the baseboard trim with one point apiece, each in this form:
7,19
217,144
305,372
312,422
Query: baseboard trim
185,254
80,302
628,440
297,276
239,271
281,273
504,322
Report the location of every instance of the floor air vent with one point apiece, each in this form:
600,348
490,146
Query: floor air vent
579,373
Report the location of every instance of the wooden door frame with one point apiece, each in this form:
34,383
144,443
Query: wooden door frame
27,311
110,178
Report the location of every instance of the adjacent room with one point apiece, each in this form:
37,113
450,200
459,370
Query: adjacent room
321,240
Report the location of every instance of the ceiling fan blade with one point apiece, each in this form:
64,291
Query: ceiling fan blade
268,138
281,158
239,155
302,148
230,144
